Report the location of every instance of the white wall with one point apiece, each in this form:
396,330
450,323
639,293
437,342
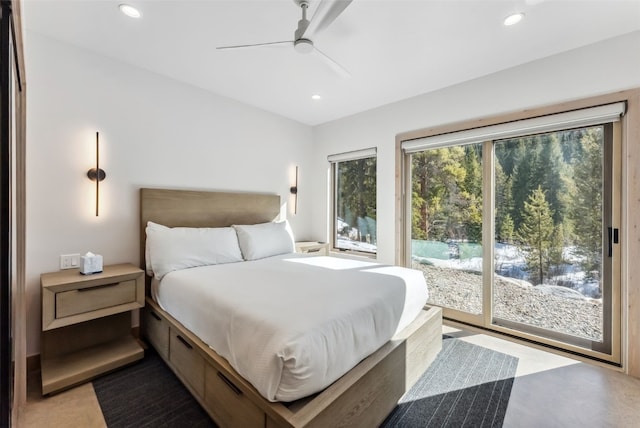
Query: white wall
154,132
597,69
158,132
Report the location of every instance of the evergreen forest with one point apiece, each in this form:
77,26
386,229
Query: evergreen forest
356,200
548,198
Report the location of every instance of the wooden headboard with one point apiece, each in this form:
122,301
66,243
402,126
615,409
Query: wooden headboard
194,208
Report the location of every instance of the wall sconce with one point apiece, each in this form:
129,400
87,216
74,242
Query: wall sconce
96,174
294,192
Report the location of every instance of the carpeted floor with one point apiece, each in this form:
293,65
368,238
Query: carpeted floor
148,394
467,385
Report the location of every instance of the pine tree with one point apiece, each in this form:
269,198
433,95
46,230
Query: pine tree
556,256
503,204
552,173
506,231
536,234
472,182
469,205
437,177
587,201
357,192
419,205
524,179
506,154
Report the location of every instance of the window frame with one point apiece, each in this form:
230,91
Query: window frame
334,160
442,136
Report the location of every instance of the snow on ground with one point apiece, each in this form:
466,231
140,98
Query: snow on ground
510,263
349,244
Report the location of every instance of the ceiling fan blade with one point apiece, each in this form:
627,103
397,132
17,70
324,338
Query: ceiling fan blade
257,45
337,68
325,14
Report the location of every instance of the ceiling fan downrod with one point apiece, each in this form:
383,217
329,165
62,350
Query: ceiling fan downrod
300,44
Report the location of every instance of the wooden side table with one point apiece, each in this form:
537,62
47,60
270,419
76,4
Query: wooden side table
86,324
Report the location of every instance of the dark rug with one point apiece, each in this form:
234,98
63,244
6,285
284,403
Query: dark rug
467,385
148,394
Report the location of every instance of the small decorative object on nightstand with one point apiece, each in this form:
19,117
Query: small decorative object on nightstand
313,248
90,263
86,324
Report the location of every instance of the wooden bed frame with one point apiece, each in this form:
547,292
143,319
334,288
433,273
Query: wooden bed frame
363,397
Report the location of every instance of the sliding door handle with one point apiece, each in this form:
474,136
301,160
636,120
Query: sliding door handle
614,238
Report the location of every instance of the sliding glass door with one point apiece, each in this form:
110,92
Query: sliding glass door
446,226
519,234
551,220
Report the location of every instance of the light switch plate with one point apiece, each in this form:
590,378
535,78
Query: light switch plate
69,261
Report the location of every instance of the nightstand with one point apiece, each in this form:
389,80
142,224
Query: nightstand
313,248
86,324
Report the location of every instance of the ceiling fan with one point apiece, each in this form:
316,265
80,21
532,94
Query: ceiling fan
326,12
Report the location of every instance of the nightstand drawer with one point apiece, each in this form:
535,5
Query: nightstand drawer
74,302
69,297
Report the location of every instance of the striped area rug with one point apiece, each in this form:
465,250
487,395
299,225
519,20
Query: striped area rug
466,386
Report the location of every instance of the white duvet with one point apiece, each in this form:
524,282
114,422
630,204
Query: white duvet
292,325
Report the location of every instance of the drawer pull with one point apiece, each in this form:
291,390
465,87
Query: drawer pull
184,342
229,384
98,286
313,250
156,316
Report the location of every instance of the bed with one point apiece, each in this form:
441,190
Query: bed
362,397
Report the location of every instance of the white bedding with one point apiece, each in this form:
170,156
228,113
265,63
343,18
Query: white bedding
292,325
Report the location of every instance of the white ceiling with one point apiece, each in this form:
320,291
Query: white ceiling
393,49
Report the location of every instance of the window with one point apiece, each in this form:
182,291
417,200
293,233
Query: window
515,226
446,231
354,201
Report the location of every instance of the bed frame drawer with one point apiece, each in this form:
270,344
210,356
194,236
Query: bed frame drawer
157,332
184,355
230,407
74,302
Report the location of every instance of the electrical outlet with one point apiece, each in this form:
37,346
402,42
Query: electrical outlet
69,261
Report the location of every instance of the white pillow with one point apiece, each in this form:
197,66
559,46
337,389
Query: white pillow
178,248
258,241
147,258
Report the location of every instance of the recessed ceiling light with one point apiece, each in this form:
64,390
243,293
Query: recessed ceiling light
513,18
130,11
316,97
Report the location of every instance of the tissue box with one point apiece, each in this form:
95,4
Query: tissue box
90,263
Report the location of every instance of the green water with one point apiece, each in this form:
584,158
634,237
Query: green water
443,251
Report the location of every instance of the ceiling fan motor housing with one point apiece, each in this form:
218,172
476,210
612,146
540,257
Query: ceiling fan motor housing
303,45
